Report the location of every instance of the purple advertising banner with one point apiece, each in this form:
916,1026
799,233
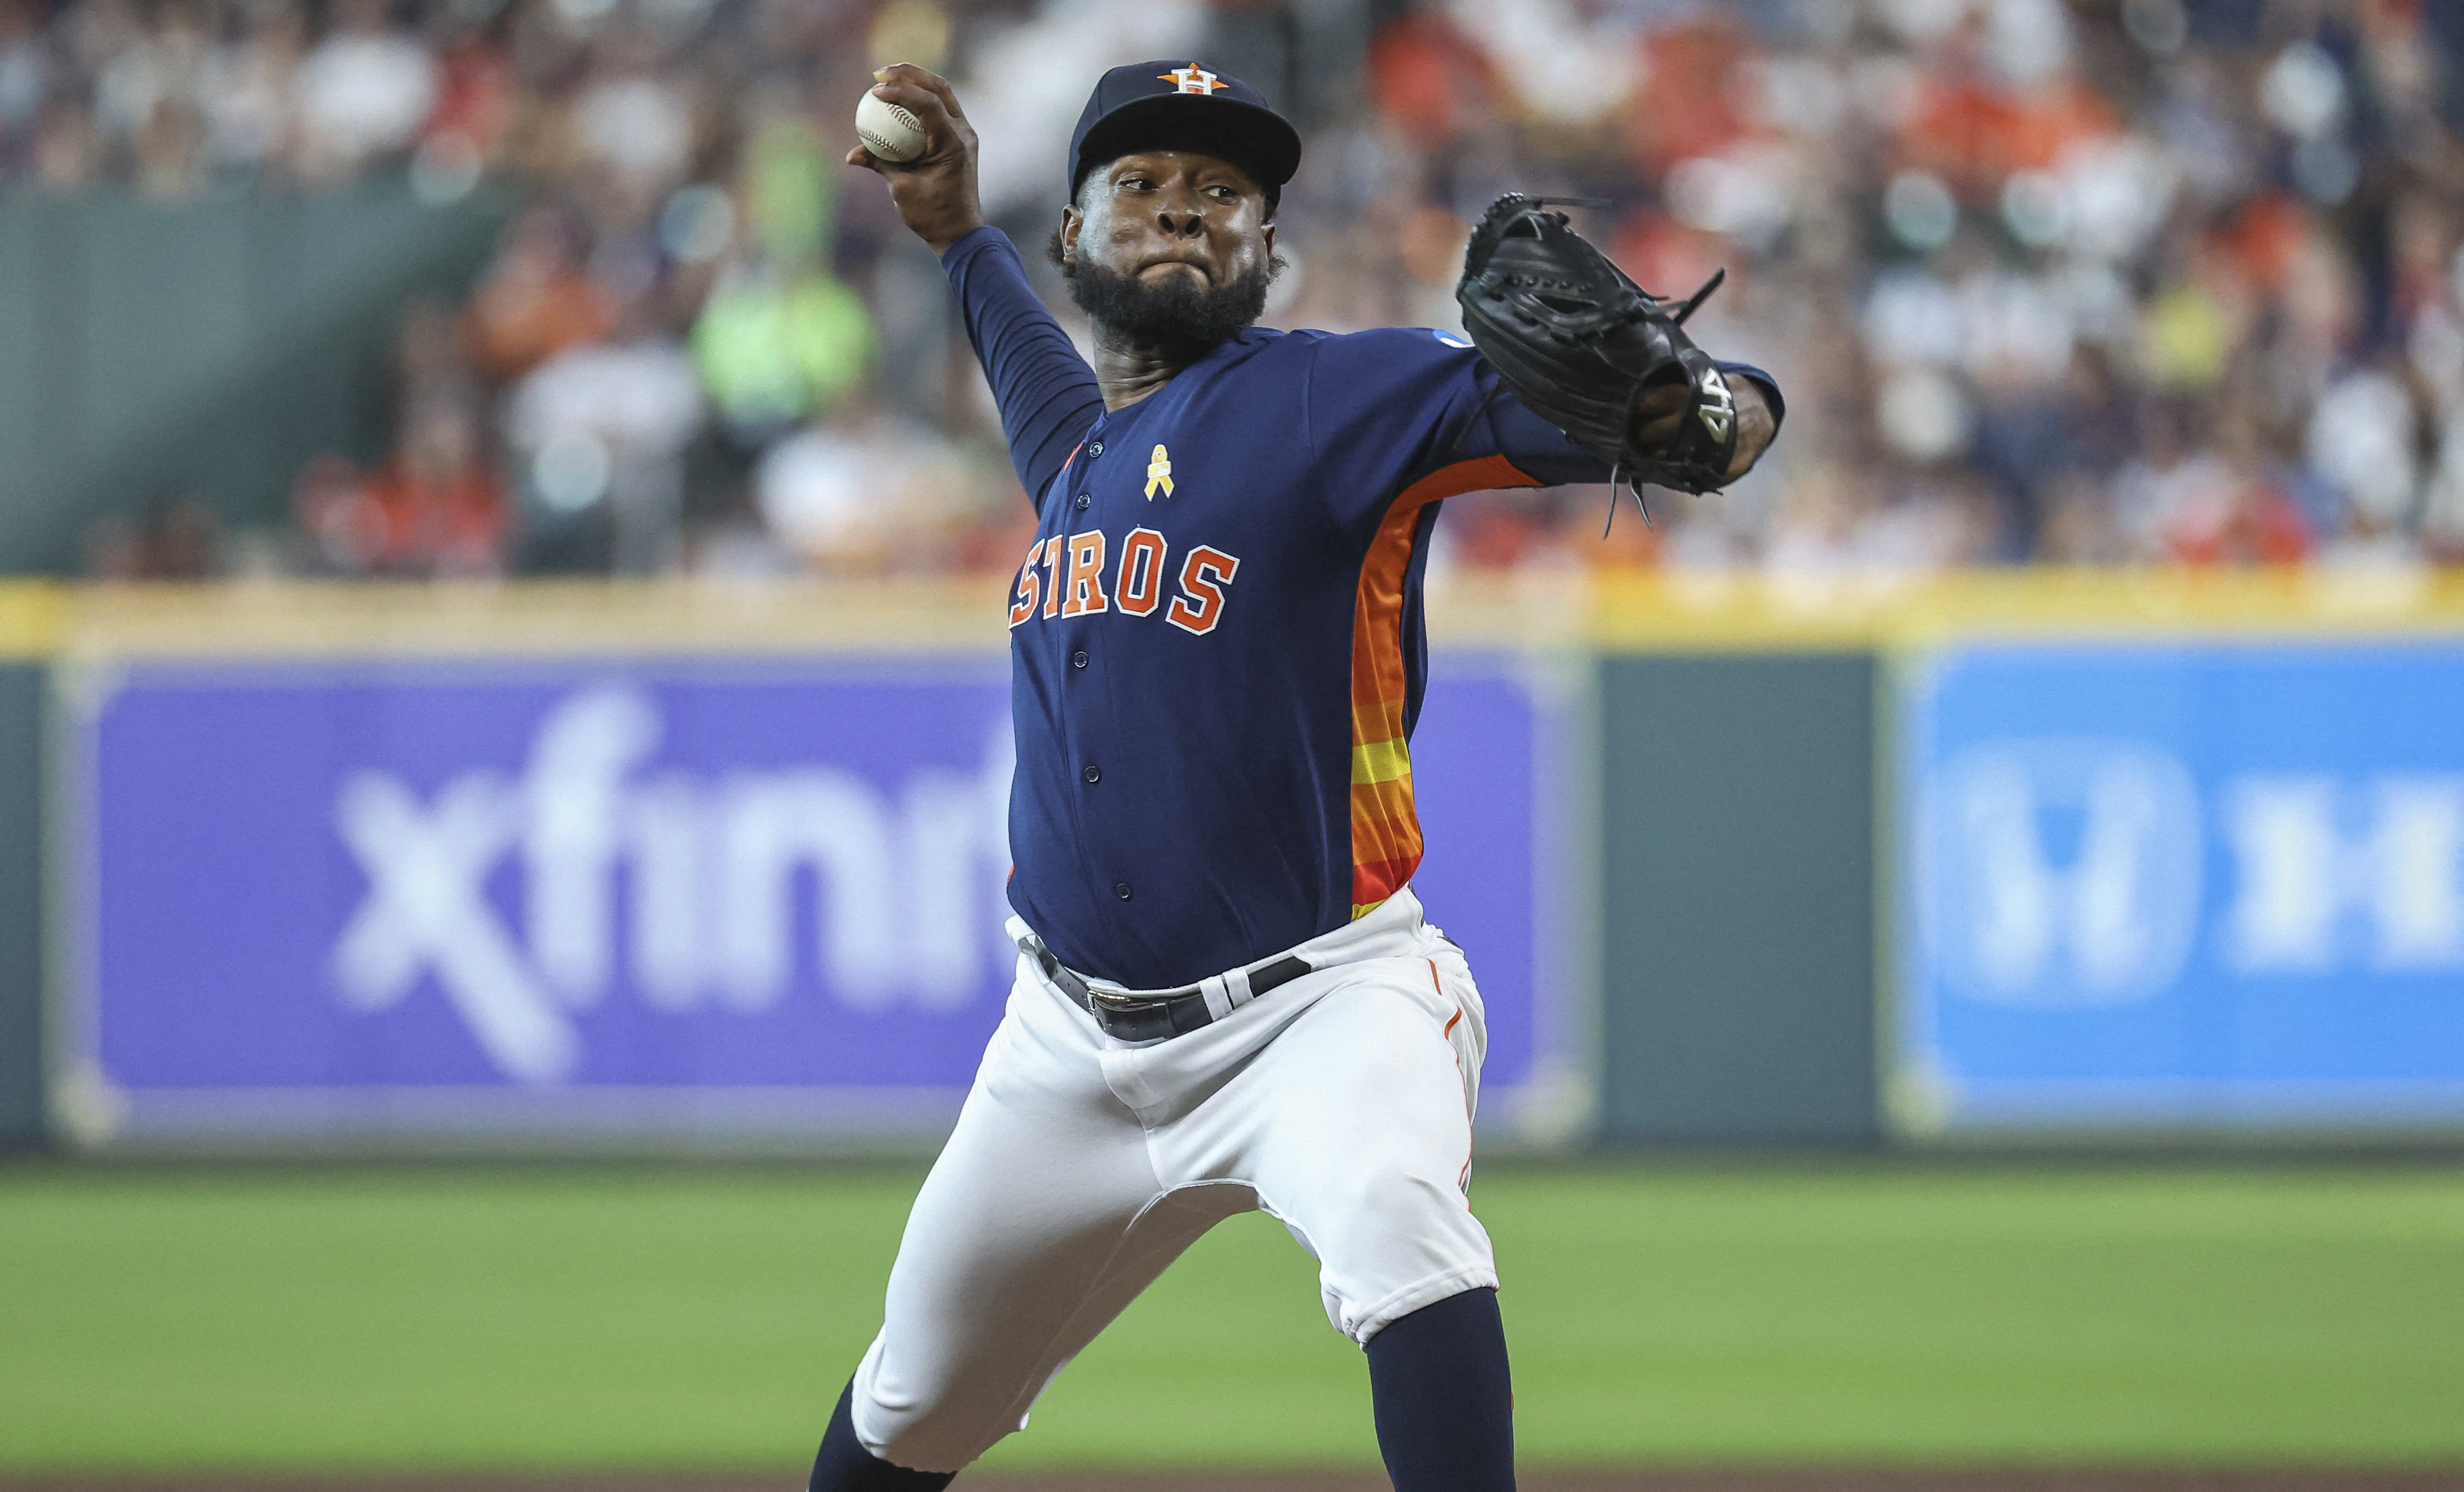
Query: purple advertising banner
640,900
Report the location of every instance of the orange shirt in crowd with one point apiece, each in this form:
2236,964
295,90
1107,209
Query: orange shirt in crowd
1690,103
475,95
400,522
1430,79
518,321
451,524
2259,525
1976,134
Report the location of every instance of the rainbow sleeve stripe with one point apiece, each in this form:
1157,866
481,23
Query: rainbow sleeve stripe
1385,825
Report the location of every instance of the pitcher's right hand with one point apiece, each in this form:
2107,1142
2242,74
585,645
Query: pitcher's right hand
936,193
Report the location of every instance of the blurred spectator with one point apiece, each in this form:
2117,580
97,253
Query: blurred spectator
772,352
177,538
2163,281
24,76
867,496
535,301
362,93
779,336
249,89
600,432
631,122
1432,81
435,509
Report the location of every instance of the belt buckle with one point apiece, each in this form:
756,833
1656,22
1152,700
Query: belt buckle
1121,1003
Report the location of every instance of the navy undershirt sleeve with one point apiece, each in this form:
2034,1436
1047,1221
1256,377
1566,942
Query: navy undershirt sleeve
1770,390
1386,410
1048,394
1539,448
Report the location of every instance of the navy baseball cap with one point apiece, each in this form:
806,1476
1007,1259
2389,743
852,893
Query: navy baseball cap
1183,105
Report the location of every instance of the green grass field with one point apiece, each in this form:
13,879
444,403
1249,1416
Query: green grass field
518,1318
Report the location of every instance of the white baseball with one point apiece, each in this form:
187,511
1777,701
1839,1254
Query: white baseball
888,130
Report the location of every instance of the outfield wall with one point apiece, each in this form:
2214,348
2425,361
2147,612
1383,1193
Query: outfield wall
204,349
651,867
1737,897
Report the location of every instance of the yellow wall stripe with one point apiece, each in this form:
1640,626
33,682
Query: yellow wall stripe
33,615
1747,611
1635,611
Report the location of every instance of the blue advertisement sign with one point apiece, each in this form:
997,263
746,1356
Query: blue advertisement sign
651,900
2213,885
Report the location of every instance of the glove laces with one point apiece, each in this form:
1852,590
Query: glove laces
1640,506
1693,303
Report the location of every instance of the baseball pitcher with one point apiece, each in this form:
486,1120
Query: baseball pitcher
1227,995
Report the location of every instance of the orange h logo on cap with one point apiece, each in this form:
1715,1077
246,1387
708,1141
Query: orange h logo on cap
1192,79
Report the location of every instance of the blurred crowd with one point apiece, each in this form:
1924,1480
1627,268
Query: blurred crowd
2113,281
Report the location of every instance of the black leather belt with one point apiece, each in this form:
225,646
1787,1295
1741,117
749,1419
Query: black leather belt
1149,1018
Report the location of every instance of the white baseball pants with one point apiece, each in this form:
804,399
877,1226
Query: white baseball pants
1340,1103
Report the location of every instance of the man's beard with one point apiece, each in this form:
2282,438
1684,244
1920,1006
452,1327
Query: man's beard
1177,319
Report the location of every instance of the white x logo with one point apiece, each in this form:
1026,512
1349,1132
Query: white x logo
427,908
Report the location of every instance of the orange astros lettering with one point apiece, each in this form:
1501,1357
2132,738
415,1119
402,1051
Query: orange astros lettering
1064,575
1086,576
1139,586
1052,576
1028,586
1203,579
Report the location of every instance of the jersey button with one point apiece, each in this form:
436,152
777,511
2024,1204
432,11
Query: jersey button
1121,889
1078,659
1093,773
1093,451
1084,500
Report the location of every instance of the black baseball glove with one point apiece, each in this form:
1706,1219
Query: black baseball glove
1578,343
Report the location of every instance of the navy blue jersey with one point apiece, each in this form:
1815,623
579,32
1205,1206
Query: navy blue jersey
1217,654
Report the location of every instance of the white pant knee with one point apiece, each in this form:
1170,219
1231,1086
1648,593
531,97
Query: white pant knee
924,1427
1391,1243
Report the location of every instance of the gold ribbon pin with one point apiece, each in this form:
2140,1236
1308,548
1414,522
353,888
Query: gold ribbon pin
1158,473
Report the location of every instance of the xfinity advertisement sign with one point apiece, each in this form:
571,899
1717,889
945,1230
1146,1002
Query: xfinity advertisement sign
2204,886
641,903
704,873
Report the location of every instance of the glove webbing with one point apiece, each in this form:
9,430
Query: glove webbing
1693,303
